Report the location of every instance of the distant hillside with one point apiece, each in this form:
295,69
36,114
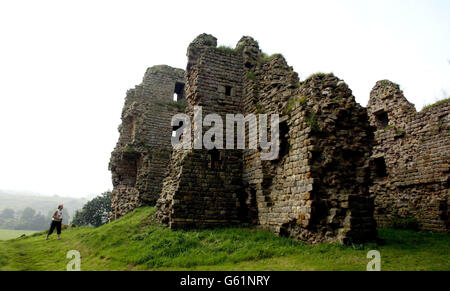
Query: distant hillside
138,242
42,204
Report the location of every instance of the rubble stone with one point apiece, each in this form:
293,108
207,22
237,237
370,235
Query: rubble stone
333,171
411,159
139,161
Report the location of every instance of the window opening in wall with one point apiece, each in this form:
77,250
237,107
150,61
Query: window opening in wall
178,92
382,119
228,90
248,210
214,159
284,142
380,167
176,127
128,168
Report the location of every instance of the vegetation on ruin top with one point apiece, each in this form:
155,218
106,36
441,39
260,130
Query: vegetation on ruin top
137,241
209,39
319,75
385,82
267,58
226,49
440,102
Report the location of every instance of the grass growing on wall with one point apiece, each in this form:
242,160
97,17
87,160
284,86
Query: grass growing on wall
137,241
440,102
226,49
293,101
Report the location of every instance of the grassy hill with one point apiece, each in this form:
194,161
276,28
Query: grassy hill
138,242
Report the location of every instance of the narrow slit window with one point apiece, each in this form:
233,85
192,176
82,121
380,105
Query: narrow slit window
214,159
228,90
284,141
178,92
380,168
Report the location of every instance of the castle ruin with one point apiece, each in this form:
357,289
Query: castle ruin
411,159
139,161
326,183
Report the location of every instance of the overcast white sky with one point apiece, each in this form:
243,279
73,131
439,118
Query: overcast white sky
65,66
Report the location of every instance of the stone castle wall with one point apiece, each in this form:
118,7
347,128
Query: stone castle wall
317,188
412,158
139,160
292,194
202,187
334,178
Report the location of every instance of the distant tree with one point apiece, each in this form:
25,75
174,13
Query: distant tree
7,220
28,214
8,223
29,220
94,212
39,222
7,213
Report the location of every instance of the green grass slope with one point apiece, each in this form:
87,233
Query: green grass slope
138,242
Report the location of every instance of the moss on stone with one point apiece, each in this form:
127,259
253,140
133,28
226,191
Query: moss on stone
318,74
128,149
293,101
266,58
209,39
385,82
401,132
440,102
226,49
180,106
161,154
312,122
259,109
296,84
251,76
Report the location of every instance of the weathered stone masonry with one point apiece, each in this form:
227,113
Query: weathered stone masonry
139,160
317,189
323,184
203,187
412,159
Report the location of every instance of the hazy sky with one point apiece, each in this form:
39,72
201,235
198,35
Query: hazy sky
65,66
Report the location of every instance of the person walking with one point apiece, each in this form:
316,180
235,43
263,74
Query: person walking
56,222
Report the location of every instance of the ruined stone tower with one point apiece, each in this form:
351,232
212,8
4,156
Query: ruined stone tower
139,160
411,157
330,166
317,189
